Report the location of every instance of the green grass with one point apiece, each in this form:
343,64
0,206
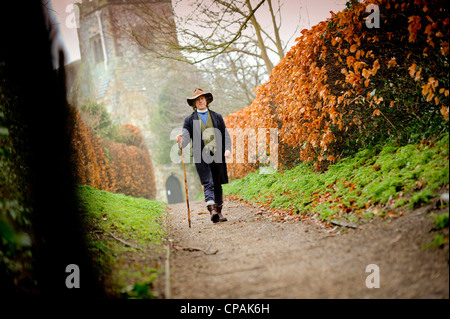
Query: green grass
137,221
440,221
402,177
439,238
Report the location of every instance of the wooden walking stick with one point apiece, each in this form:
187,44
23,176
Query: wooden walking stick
185,185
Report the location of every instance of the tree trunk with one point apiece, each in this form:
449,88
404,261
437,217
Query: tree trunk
261,45
276,30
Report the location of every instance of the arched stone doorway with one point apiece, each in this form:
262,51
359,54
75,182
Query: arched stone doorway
173,190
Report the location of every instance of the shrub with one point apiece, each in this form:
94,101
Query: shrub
344,86
118,167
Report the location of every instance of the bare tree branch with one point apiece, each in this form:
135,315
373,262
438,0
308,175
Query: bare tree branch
223,38
276,31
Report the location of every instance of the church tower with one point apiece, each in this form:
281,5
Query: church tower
121,73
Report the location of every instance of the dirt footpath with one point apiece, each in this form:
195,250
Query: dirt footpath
252,256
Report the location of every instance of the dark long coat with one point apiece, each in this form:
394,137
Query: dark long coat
192,131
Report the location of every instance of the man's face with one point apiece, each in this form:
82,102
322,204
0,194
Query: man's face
200,103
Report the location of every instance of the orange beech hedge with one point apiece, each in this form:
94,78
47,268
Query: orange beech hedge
111,166
344,85
132,165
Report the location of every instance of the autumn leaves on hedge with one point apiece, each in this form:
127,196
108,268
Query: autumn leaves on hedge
344,85
107,165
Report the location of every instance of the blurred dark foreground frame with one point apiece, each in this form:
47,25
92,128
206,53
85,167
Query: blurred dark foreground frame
35,76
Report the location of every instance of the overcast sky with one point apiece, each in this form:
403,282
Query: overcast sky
308,12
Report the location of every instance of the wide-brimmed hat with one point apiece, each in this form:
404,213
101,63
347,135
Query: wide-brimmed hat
197,93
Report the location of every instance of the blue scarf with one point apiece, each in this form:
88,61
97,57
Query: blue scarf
203,115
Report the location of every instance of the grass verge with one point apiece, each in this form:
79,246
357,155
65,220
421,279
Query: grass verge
373,182
124,236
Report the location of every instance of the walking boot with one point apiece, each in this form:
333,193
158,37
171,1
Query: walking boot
213,212
219,212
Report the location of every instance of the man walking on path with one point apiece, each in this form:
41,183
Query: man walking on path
211,143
